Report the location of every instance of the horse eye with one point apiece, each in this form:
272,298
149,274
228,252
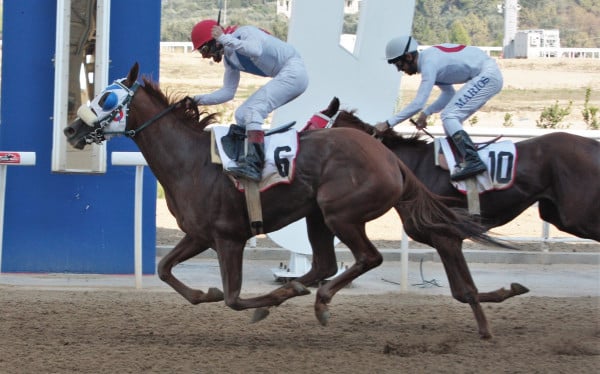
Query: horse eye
108,101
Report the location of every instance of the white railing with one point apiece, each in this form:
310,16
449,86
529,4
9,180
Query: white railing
186,47
135,159
10,159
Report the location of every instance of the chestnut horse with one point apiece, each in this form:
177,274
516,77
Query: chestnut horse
559,171
344,178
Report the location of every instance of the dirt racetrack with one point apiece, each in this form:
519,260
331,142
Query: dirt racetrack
127,331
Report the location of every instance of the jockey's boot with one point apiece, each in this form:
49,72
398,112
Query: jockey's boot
472,164
251,165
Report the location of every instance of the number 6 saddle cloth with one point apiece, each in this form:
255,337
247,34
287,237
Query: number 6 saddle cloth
280,155
500,159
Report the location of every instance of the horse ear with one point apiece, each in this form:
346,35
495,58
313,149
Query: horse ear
133,73
334,106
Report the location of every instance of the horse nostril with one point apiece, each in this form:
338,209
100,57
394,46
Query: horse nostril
69,131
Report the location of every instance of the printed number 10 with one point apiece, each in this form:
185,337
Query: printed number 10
501,166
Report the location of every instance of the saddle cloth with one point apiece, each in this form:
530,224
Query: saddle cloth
280,155
500,159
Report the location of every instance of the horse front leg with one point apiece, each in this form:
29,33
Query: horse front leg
230,254
324,262
184,250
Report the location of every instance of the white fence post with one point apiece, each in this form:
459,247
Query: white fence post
13,159
135,159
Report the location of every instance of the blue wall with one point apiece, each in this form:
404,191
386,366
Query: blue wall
70,222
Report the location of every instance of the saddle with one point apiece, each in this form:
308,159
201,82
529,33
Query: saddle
227,147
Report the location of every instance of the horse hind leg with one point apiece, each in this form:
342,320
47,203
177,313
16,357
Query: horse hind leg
324,263
502,294
184,250
462,285
367,257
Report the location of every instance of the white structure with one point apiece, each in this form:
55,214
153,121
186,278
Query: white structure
359,76
285,7
537,43
510,8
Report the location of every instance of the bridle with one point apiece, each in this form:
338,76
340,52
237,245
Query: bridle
98,135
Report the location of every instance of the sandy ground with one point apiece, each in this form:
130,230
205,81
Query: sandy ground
115,331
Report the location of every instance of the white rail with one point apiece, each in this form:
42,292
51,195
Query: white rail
594,53
135,159
9,158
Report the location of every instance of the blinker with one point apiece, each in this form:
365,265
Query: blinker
110,101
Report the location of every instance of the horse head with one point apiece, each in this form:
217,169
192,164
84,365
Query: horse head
106,114
332,116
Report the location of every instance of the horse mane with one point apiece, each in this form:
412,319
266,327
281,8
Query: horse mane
188,112
389,137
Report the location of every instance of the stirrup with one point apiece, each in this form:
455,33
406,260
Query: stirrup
468,172
245,172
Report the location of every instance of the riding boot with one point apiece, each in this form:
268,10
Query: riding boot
251,165
472,164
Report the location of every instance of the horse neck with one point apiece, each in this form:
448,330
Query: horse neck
416,155
348,119
170,146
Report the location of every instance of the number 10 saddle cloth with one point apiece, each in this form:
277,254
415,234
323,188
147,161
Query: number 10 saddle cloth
499,157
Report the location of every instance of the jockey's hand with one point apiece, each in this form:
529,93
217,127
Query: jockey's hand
216,31
421,121
382,126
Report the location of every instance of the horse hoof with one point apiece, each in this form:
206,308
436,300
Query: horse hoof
322,314
299,288
260,314
485,335
518,289
215,294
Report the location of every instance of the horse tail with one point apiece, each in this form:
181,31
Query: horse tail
424,211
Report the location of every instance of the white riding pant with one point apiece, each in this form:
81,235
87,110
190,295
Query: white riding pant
289,83
472,96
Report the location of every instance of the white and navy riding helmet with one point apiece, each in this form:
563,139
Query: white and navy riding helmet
399,46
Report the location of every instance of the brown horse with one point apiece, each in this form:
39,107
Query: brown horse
344,178
559,171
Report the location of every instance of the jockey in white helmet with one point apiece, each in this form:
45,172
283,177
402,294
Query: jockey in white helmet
445,65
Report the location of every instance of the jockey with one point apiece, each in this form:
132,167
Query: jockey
251,50
443,66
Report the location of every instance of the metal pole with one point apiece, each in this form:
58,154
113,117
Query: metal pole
137,223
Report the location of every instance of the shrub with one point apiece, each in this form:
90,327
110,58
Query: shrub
552,116
473,120
590,112
508,122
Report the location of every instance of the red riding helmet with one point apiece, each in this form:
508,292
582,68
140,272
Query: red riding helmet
201,33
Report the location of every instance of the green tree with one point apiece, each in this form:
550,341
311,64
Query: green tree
458,34
433,21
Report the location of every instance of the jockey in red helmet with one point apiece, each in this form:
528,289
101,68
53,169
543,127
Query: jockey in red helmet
251,50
